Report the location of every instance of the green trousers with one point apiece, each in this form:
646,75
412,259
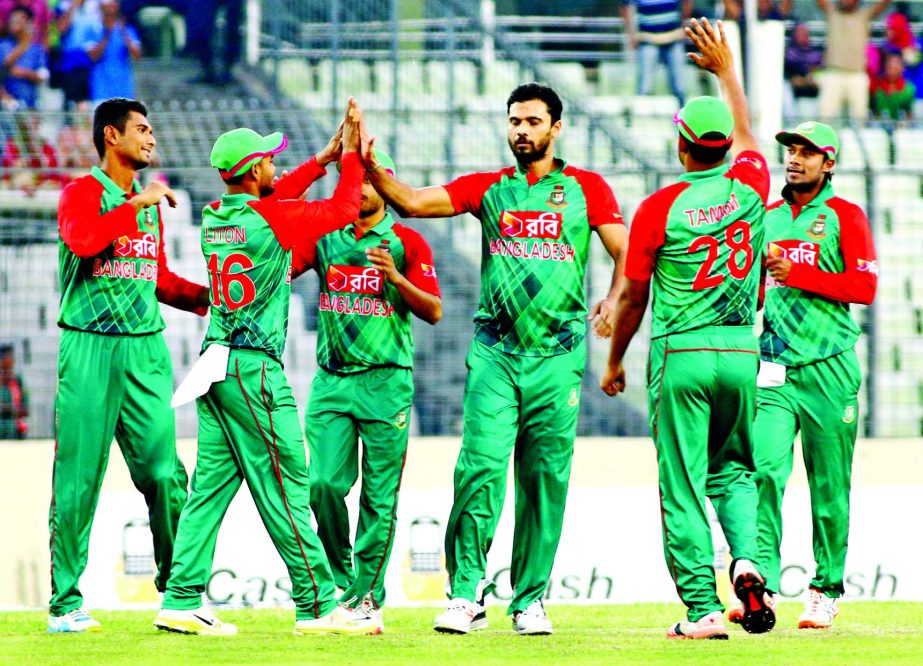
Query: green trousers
821,400
249,430
701,396
526,406
109,386
374,406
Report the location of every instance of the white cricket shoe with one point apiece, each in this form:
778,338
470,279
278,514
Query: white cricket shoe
819,611
461,617
758,609
532,621
710,627
74,622
201,622
341,620
370,608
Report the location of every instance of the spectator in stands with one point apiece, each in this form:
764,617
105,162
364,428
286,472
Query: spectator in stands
900,40
802,62
659,37
70,62
14,401
845,78
894,94
23,60
29,161
200,26
115,45
75,142
41,13
766,10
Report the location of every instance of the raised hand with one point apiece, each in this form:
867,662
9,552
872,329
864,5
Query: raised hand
715,54
351,124
331,152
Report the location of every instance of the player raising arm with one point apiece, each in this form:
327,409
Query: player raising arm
528,355
695,245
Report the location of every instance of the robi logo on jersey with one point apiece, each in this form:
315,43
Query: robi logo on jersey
796,251
138,245
531,224
354,279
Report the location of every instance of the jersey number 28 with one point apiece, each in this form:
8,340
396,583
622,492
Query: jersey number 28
222,279
737,238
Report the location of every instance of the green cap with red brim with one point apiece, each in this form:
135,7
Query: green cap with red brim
817,135
236,151
704,115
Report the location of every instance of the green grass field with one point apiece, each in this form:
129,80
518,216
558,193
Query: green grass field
865,633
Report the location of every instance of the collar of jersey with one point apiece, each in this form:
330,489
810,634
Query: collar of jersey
699,175
826,192
379,229
232,200
109,185
522,173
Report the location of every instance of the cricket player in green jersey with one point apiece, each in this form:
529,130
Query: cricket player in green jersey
114,372
820,258
695,245
528,356
374,274
248,423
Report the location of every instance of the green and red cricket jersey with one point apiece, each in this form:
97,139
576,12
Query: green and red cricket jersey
535,245
247,243
112,267
829,242
700,240
364,322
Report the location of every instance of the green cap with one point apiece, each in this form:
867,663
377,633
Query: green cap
819,135
236,151
702,115
384,160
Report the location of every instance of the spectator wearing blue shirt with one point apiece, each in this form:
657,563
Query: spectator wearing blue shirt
23,61
70,62
115,45
659,37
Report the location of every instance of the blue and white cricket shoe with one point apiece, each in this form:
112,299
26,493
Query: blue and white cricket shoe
75,622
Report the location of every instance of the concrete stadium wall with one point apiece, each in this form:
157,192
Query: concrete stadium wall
610,549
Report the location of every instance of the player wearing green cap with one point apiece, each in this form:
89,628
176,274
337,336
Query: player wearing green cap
528,356
248,423
820,258
698,241
374,274
114,370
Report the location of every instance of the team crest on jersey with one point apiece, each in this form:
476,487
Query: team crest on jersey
400,421
138,245
556,199
531,224
354,279
574,398
849,414
818,227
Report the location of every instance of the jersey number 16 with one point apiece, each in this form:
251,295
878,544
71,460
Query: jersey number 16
222,279
737,238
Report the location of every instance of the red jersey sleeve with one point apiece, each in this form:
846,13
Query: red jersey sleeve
298,181
174,290
83,229
466,192
859,279
750,168
295,222
420,268
601,206
648,232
